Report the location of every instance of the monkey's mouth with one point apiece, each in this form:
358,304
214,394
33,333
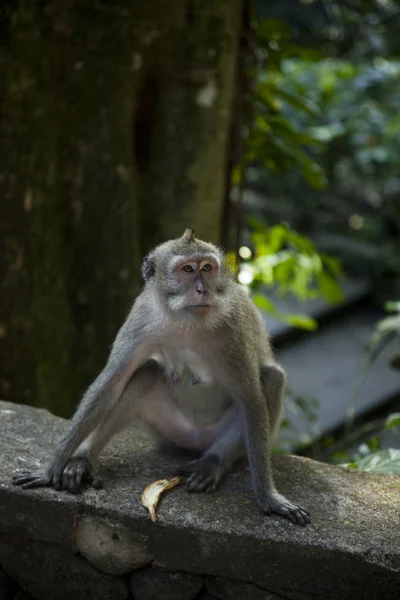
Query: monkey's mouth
199,308
199,305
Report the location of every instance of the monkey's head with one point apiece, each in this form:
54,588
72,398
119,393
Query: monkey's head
190,278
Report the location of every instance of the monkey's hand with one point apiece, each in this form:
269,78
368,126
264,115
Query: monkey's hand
203,474
78,471
277,504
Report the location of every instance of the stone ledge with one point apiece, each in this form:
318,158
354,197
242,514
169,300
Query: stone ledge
351,549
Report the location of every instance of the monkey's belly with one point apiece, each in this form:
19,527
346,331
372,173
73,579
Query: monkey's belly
197,392
203,405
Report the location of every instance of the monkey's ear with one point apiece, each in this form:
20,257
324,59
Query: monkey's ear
148,268
188,236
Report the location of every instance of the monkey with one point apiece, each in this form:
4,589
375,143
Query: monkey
193,363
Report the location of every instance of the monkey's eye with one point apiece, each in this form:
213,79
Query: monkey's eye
188,269
207,268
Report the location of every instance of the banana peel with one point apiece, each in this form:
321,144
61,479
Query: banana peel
152,494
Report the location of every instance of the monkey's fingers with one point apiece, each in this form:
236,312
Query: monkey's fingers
71,480
78,472
32,479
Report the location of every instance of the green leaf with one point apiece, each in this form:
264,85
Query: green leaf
332,264
385,330
312,172
302,321
256,224
351,465
384,461
392,421
339,455
264,303
236,175
297,101
284,128
392,306
374,443
330,289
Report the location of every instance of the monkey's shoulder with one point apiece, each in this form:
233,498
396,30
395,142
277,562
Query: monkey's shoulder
245,311
143,319
246,327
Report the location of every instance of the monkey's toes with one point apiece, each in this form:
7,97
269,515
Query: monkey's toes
297,515
280,506
200,483
203,475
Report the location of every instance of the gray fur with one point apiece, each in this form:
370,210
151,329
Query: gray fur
194,363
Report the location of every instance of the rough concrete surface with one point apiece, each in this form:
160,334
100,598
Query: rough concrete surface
50,571
231,589
155,584
8,588
351,549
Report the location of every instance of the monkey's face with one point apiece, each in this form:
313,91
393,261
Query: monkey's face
190,279
191,284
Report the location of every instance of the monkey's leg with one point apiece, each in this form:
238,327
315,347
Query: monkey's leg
205,473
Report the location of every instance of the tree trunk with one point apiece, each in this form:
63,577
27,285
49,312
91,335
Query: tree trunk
114,118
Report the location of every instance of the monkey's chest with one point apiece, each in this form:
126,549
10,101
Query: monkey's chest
202,404
196,389
198,393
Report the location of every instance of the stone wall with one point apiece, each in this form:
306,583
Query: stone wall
101,544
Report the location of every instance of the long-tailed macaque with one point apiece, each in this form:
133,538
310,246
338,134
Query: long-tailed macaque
193,362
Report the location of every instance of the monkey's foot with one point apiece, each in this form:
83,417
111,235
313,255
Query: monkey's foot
277,504
203,474
71,478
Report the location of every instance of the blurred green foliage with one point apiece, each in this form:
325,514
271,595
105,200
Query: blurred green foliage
361,441
326,131
289,262
283,258
277,140
383,461
387,330
323,144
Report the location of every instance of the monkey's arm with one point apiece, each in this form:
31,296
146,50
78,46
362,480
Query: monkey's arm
99,400
257,385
